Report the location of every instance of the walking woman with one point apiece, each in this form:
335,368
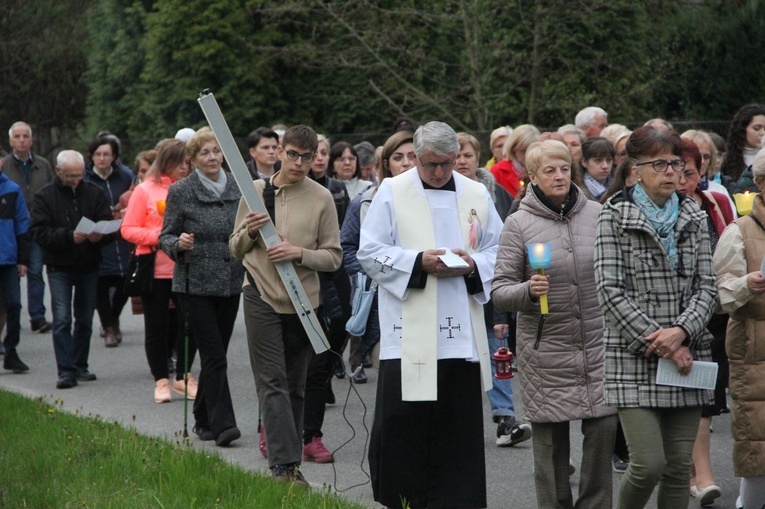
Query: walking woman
199,218
141,226
737,263
656,287
560,354
114,180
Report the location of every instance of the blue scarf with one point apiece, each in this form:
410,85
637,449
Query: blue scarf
595,188
662,219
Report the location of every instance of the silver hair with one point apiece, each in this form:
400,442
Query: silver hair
19,124
572,129
437,137
68,157
587,116
758,166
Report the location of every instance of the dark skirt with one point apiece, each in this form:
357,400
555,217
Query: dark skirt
429,453
718,327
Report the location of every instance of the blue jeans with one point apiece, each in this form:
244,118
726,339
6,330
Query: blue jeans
72,348
35,284
9,282
501,394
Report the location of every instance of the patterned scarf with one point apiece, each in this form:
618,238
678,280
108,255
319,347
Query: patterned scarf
662,219
595,188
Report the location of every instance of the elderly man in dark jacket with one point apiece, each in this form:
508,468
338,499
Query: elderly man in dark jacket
72,258
31,172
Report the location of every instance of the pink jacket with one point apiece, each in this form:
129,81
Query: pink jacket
142,223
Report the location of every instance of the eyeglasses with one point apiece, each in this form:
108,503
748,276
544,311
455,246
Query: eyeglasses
662,165
71,177
350,159
689,174
445,166
306,158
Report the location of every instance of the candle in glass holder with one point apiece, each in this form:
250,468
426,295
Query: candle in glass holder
540,257
161,208
744,202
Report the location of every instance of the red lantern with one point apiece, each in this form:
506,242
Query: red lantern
503,360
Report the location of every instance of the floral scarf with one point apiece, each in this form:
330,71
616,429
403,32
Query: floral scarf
662,219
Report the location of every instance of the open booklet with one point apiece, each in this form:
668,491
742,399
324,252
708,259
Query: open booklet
703,375
103,227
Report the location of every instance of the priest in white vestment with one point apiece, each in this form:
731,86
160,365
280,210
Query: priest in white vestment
430,241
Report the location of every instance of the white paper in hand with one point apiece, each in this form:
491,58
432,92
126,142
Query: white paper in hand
452,260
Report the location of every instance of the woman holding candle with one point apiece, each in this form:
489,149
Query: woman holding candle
737,263
560,354
141,226
656,287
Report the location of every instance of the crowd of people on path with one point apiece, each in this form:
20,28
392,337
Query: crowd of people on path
610,262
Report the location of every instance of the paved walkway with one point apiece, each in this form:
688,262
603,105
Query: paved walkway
124,393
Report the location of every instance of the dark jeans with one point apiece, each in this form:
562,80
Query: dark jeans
72,291
279,353
165,330
35,283
320,368
111,299
212,320
9,286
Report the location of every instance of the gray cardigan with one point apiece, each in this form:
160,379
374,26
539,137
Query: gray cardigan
192,208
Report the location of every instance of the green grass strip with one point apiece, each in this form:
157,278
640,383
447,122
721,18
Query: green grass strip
50,458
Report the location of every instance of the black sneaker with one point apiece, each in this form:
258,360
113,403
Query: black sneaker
13,363
227,436
66,382
360,377
41,325
339,370
288,473
620,465
203,433
510,433
86,376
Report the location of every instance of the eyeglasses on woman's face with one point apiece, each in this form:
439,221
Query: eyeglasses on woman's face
662,165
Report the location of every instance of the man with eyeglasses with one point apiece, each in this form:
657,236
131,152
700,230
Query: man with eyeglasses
430,241
72,259
304,215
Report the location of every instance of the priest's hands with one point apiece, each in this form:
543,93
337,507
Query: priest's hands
432,264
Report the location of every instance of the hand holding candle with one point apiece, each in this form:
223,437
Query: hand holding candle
540,257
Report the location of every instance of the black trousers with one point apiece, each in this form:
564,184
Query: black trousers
165,331
320,368
212,320
110,299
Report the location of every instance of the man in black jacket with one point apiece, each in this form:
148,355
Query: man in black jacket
72,258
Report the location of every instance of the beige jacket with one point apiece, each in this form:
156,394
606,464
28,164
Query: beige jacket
305,217
561,379
740,251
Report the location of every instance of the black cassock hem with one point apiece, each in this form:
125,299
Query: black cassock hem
429,453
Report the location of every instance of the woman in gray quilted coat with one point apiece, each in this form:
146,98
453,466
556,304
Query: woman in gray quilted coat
653,266
560,354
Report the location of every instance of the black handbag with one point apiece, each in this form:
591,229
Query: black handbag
140,278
